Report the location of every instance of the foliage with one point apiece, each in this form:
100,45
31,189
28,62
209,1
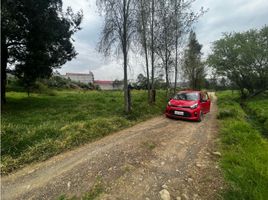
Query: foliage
243,59
117,84
37,127
58,82
141,82
193,68
245,152
13,84
36,37
47,86
258,107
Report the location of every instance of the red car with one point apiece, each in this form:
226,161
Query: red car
190,105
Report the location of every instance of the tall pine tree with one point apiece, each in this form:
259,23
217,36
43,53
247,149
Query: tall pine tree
193,68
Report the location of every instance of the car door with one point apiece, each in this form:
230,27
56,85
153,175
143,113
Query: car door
205,101
208,102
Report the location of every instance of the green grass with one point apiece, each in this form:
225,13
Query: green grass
245,151
37,127
258,107
150,145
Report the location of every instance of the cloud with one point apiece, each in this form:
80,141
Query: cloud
228,16
223,16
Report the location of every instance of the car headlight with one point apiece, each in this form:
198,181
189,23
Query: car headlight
194,106
169,103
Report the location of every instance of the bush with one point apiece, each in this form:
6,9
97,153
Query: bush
43,89
13,84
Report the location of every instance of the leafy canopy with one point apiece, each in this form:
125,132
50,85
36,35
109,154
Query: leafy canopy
37,35
243,59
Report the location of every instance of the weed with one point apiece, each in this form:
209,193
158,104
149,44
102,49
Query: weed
149,145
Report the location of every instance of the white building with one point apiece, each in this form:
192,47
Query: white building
80,77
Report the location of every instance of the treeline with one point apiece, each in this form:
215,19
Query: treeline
47,85
156,28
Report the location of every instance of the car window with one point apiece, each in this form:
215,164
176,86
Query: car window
191,96
204,96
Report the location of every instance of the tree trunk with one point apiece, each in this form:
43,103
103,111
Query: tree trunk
126,88
127,101
152,97
4,57
147,72
166,58
166,69
176,66
145,50
176,48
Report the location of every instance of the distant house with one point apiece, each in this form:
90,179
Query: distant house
108,85
80,77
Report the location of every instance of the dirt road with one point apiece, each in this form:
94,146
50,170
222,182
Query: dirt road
160,154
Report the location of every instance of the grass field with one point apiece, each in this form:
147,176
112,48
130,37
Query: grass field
245,149
37,127
258,107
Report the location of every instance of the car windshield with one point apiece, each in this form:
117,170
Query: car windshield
189,96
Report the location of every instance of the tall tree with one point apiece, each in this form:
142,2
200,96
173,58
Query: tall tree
36,37
193,68
147,26
164,37
152,49
243,59
183,18
119,28
142,24
177,14
12,38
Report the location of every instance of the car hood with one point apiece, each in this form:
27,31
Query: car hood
182,103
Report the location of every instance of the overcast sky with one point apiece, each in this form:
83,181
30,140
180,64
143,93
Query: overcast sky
222,16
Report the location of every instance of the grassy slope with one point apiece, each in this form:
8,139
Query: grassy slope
41,126
258,107
245,151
